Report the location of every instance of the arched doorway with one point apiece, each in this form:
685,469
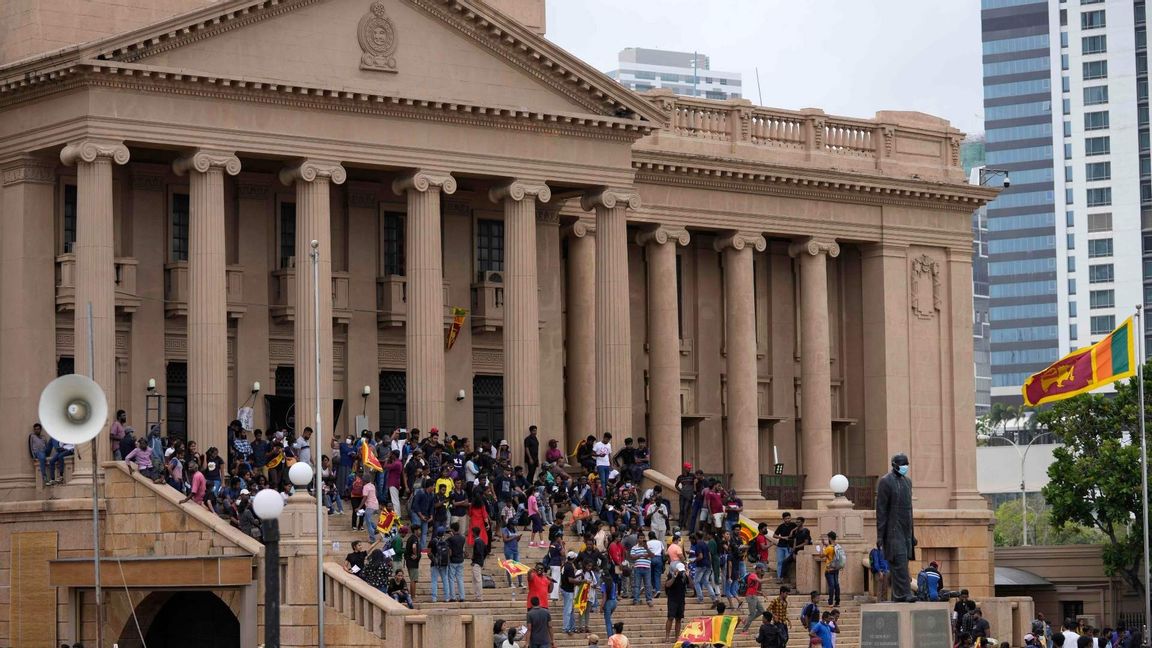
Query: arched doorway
183,620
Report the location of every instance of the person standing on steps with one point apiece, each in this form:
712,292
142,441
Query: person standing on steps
686,489
832,555
532,453
602,451
479,555
412,557
779,609
894,528
783,538
568,591
539,625
611,595
676,587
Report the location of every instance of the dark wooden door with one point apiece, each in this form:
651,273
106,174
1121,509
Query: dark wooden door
177,412
393,400
488,408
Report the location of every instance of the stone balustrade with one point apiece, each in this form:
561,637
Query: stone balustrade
283,305
127,299
488,302
176,289
903,144
392,301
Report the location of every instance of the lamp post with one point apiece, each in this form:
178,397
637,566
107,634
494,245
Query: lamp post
268,504
839,485
1023,494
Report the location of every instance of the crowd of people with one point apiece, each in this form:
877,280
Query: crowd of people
441,501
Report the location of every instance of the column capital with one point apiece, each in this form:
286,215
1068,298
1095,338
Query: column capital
202,160
661,234
578,229
813,247
739,240
549,214
609,198
28,169
89,150
517,190
309,170
423,181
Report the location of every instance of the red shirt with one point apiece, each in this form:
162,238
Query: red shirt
762,547
199,487
538,586
616,552
714,501
753,585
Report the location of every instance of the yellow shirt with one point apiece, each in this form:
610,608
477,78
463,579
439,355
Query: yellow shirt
829,555
443,481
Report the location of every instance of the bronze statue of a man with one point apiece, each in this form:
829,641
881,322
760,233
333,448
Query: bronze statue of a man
894,526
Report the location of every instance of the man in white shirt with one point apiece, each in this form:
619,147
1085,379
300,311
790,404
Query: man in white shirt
603,453
1070,636
302,447
656,548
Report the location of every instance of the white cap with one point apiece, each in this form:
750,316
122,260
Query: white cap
169,452
571,554
680,567
244,491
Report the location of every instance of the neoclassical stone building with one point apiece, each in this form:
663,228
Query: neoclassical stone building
744,286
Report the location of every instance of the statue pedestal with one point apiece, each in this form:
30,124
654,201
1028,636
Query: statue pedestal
906,625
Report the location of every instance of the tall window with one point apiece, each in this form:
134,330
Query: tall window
287,234
1099,196
392,245
1095,70
1096,120
179,228
1095,95
69,217
680,295
1100,222
1092,19
489,245
1097,145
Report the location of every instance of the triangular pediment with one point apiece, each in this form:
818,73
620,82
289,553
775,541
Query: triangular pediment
460,51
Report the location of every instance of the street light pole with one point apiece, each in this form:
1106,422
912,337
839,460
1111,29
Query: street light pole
270,531
1023,493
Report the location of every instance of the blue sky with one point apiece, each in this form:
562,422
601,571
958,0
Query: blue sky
849,57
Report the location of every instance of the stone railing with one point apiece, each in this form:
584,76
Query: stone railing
392,301
127,299
488,302
283,305
897,143
380,618
176,290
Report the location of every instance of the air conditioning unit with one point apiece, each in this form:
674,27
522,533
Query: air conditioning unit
490,276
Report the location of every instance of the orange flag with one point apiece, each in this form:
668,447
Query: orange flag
368,457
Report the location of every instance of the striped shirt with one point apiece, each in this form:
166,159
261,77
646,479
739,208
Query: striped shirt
639,556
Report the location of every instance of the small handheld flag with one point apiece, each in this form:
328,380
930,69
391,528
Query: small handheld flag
514,568
386,522
368,457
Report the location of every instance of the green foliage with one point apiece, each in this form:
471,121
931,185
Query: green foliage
1041,530
1095,478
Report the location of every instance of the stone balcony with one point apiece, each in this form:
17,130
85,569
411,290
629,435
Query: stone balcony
283,304
392,301
488,302
176,290
127,299
897,144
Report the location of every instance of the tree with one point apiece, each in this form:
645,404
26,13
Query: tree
1095,478
1041,530
1001,414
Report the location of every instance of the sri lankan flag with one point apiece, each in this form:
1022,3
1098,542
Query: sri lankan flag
746,531
709,631
514,568
580,602
368,457
386,522
1109,360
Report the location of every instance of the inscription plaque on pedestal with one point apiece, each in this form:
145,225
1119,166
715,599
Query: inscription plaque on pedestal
931,629
879,629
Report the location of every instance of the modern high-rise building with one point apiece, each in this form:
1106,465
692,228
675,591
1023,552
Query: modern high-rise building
972,159
1065,107
684,73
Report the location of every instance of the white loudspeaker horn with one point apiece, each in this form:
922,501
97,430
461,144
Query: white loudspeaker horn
73,409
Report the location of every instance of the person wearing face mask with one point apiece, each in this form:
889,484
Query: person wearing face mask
894,526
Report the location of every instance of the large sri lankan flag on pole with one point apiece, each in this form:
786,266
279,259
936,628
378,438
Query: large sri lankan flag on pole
1109,360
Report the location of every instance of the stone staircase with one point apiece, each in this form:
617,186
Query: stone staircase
644,625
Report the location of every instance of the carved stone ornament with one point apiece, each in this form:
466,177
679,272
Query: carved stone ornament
925,266
661,235
91,150
733,240
609,198
377,35
203,161
517,190
813,247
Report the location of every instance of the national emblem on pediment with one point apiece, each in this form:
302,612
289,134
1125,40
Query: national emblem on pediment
377,36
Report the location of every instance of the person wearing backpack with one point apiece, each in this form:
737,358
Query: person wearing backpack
834,560
439,557
811,612
751,587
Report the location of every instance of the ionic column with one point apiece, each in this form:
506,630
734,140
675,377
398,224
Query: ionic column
207,296
313,180
521,309
95,275
743,421
424,333
27,322
664,430
613,348
815,372
580,335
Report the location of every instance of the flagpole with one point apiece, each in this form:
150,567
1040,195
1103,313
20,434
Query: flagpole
1139,334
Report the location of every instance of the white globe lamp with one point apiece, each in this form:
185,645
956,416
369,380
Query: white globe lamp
268,504
300,474
839,485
